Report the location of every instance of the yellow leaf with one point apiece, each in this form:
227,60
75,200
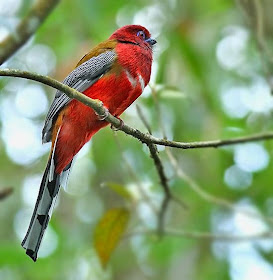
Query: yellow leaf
109,231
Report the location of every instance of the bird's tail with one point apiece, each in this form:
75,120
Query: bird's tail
47,196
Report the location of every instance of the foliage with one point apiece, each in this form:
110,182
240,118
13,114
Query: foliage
211,80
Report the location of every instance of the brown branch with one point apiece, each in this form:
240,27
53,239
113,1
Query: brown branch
163,178
4,193
26,28
98,107
213,143
223,237
160,170
164,184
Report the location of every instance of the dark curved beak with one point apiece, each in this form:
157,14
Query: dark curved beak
151,41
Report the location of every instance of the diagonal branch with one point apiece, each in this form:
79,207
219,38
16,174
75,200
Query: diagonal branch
4,193
143,119
26,28
98,107
207,196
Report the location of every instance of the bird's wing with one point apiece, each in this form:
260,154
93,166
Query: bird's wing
81,78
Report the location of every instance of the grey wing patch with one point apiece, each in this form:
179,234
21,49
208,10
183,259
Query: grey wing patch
80,79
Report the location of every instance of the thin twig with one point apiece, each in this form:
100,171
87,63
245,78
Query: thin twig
163,178
139,185
163,131
213,143
208,197
98,107
26,28
206,235
164,184
143,119
158,111
4,193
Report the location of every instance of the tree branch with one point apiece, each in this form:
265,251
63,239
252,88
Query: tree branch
164,184
210,198
143,119
160,170
26,28
98,107
4,193
206,235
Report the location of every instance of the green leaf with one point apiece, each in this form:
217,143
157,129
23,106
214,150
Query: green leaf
109,231
171,93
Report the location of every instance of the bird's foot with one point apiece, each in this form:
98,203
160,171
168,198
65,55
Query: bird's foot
104,115
121,124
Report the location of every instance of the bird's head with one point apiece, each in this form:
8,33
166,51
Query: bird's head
134,34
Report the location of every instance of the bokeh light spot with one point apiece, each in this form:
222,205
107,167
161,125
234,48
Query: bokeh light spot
49,244
152,17
31,101
30,189
40,59
10,7
232,101
230,51
236,178
258,98
4,32
251,157
22,141
89,208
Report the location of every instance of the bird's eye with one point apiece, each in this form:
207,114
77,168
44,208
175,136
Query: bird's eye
141,34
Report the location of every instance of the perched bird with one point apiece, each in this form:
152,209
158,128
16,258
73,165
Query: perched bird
116,71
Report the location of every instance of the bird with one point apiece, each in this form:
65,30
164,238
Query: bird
116,71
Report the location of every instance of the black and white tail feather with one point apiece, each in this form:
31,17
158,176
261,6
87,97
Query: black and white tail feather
46,200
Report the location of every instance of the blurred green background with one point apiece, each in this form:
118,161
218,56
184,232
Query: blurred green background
212,80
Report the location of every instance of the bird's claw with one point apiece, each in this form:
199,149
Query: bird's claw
121,124
104,115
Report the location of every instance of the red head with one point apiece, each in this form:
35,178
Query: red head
134,34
